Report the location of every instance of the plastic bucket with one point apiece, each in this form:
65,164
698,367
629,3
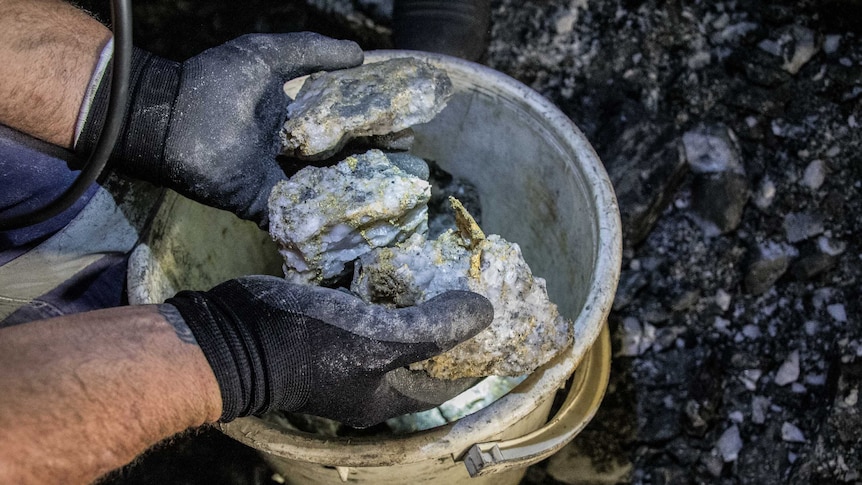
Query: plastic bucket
541,185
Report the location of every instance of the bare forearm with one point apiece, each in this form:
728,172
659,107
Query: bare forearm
48,50
86,393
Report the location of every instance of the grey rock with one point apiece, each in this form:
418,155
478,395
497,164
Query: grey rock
750,378
791,433
720,187
646,167
667,337
374,99
830,246
812,264
411,164
799,226
696,422
765,193
831,43
797,45
770,261
718,201
713,463
837,312
759,409
630,283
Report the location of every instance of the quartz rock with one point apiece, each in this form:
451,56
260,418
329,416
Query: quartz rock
796,45
759,409
712,149
637,338
837,312
831,43
729,444
376,99
815,174
799,46
527,329
765,193
789,370
323,218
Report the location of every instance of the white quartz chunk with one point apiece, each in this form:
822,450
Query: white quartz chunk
326,217
374,99
527,329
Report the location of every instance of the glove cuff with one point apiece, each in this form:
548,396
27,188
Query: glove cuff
259,359
139,152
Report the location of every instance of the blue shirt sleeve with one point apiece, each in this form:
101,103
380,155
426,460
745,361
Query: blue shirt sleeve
32,174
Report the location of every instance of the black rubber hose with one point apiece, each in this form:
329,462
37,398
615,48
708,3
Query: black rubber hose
121,17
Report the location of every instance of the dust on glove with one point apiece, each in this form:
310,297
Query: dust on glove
208,127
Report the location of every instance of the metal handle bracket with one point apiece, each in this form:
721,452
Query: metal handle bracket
587,390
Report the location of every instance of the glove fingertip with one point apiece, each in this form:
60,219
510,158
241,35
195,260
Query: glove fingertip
316,53
467,313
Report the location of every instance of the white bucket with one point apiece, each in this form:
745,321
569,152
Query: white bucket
541,185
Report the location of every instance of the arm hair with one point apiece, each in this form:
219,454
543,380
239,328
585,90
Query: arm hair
48,50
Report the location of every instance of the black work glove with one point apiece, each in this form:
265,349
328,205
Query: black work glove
314,350
208,127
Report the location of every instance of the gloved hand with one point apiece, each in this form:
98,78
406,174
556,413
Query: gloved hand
208,127
314,350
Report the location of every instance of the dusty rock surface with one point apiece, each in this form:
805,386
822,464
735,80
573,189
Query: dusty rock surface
378,99
324,218
738,343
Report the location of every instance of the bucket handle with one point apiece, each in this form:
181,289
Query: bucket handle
586,393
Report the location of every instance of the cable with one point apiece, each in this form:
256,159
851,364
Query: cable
121,18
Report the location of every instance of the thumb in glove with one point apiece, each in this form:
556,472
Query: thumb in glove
276,345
